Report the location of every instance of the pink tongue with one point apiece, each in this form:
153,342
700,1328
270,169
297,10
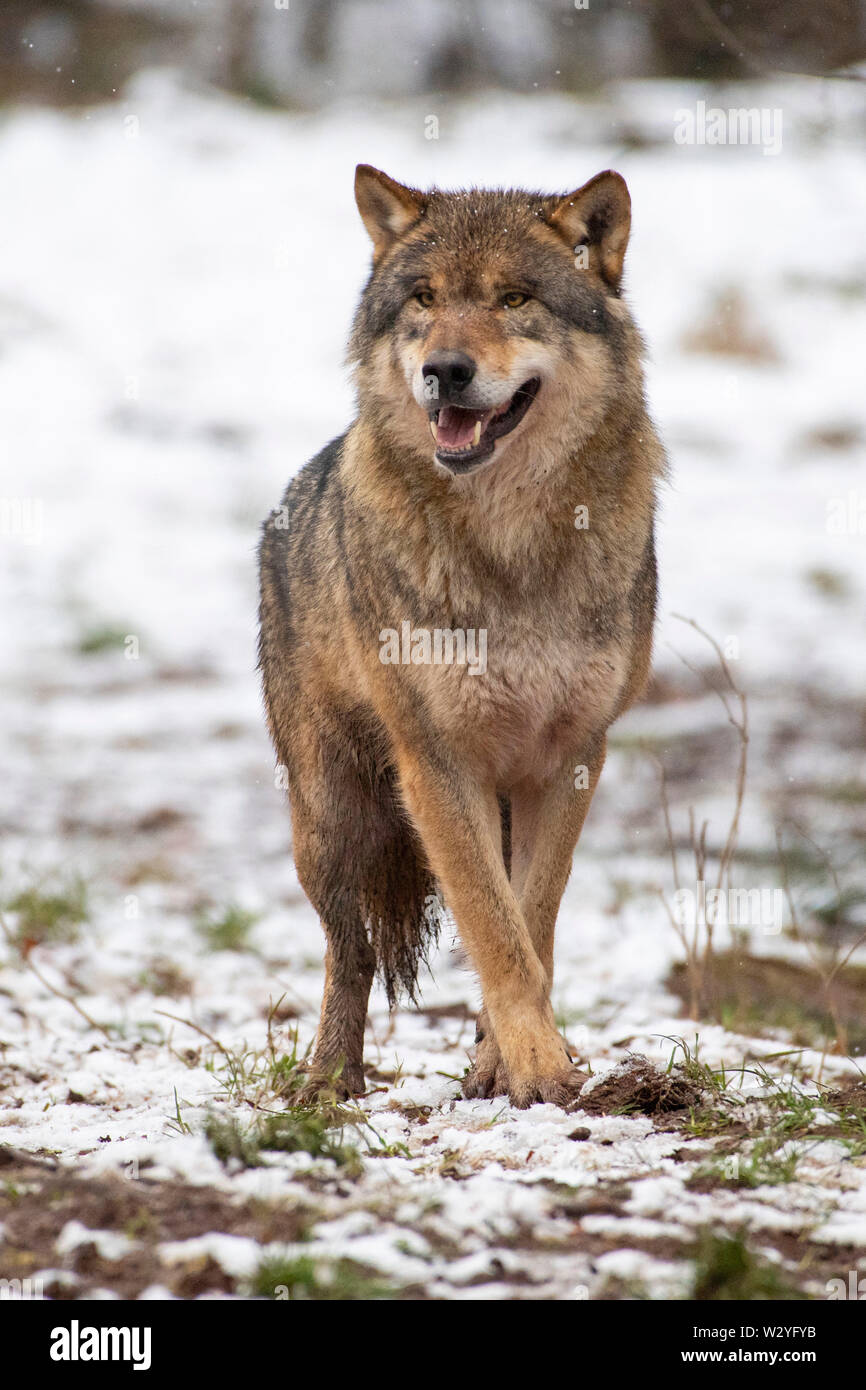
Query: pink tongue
455,428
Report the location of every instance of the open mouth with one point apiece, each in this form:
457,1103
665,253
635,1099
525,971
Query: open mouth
465,437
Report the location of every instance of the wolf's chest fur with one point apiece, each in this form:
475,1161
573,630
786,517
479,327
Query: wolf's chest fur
536,702
548,656
549,681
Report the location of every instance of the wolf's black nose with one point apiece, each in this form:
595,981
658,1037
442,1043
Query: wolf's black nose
451,372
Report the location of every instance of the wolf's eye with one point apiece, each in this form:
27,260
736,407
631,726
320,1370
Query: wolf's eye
514,299
424,298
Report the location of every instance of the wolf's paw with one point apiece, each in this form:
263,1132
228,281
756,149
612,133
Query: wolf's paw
487,1076
330,1084
541,1071
559,1082
561,1088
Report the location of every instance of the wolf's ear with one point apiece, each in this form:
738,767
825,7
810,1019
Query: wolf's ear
387,208
598,217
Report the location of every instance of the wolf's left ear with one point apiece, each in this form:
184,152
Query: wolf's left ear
387,208
598,217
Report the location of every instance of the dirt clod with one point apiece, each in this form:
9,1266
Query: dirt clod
636,1087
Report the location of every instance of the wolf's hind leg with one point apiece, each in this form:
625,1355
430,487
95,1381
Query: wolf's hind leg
327,820
338,1060
547,824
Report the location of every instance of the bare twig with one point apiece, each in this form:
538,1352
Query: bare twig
196,1029
826,972
28,960
699,947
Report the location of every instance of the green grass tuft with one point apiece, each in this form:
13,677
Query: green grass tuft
304,1278
726,1270
227,930
102,637
49,917
293,1131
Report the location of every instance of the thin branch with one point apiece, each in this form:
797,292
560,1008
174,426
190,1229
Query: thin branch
196,1029
28,960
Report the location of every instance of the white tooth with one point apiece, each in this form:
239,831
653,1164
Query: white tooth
433,430
476,438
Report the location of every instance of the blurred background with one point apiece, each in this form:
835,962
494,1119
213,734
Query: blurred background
180,256
306,53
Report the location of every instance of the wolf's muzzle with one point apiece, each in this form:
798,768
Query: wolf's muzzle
446,375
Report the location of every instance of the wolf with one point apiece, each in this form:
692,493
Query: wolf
500,476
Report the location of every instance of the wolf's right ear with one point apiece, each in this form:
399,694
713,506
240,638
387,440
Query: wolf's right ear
387,208
597,217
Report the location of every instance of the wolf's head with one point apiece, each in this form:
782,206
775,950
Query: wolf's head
493,315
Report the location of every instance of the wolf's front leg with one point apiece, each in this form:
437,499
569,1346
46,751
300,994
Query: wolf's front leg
458,821
546,821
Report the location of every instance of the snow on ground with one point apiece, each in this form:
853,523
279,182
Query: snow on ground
176,282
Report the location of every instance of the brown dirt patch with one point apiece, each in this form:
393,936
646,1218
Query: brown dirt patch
750,994
636,1087
37,1199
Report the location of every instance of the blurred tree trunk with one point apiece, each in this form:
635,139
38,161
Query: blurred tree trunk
462,56
73,51
240,55
743,38
317,31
